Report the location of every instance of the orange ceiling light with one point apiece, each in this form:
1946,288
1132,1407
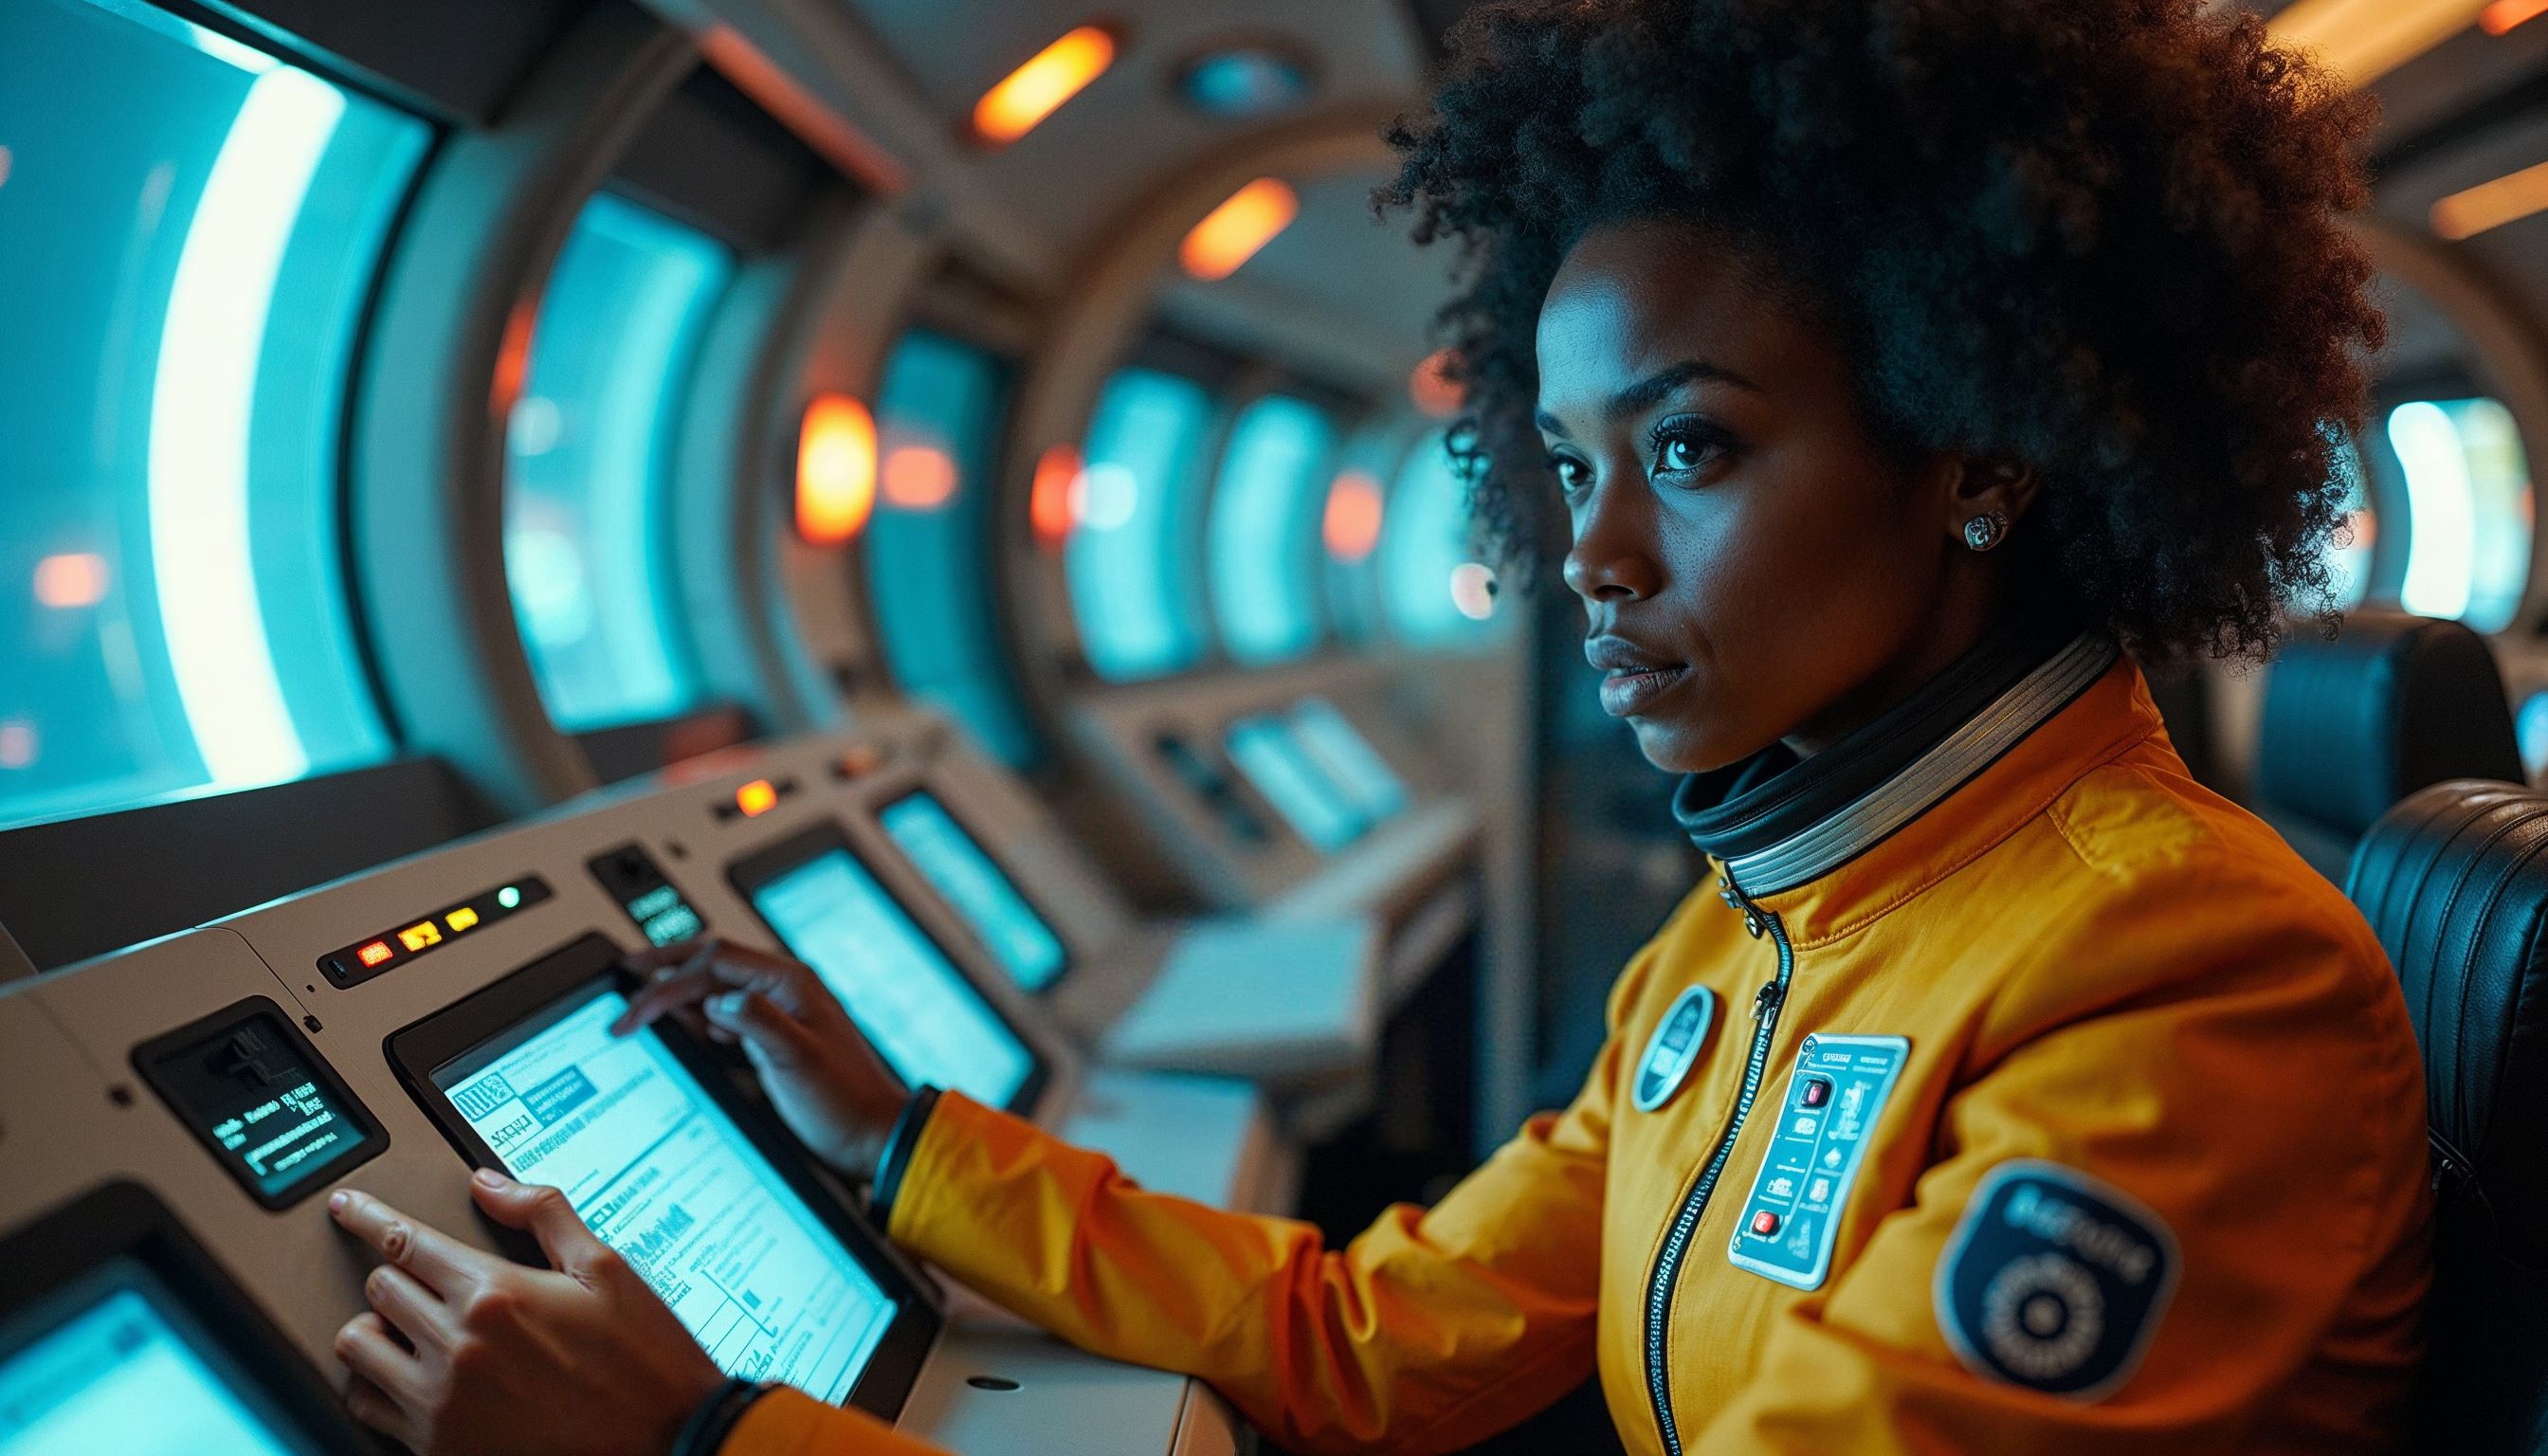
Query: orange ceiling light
918,478
1431,386
1036,90
2504,15
2492,204
1352,525
1049,503
1230,233
2365,39
835,470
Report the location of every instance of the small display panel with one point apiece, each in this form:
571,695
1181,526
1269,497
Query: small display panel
1283,772
1348,759
110,1372
649,896
396,947
119,1333
1213,787
775,1281
929,1022
251,1088
959,868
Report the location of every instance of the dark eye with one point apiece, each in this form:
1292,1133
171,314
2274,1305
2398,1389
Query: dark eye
1684,446
1573,475
1681,452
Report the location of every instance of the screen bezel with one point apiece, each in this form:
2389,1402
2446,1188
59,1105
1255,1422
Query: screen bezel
981,847
417,1051
148,1057
123,1219
750,873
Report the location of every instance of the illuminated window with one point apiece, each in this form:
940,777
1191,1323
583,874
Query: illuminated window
1130,561
2530,729
2469,510
589,454
1436,593
192,228
2348,551
929,564
1265,518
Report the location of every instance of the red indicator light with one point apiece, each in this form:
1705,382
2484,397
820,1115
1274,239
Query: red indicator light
756,798
1765,1224
375,954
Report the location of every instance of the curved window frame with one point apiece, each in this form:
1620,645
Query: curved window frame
1262,530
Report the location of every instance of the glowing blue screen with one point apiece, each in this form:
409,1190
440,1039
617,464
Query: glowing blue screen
113,1373
1025,947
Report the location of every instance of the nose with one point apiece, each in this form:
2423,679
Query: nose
1613,559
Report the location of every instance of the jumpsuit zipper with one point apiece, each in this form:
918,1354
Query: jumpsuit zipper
1667,1264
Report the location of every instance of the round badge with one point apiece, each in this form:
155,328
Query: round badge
1674,1048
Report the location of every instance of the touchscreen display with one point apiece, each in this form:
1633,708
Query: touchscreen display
1273,760
665,1177
103,1366
1348,759
959,869
923,1016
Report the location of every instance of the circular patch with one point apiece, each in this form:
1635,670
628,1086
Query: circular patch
2054,1280
1674,1048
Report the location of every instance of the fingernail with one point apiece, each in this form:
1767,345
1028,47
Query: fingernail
337,1200
490,1179
728,1007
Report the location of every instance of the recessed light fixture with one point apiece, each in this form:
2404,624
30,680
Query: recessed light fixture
1244,79
1038,89
2492,204
1230,233
2365,39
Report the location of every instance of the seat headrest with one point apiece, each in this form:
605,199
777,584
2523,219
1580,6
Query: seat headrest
2454,881
2393,704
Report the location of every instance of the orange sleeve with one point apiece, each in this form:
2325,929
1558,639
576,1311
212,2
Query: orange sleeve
1432,1329
787,1423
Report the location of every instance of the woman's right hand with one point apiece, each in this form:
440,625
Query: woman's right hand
833,1090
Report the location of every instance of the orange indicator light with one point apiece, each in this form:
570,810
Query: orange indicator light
1352,526
1036,89
1230,233
420,934
757,798
460,919
1049,505
1431,387
835,470
918,478
374,953
71,579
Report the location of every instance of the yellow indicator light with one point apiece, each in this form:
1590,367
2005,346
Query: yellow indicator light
2492,204
756,798
420,934
460,919
1036,89
835,470
1230,233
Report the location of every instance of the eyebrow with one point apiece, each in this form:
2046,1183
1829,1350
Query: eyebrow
1654,389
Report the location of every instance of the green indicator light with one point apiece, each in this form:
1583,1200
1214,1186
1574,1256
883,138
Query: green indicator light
509,898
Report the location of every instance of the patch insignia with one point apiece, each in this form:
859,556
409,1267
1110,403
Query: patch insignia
1825,1123
1674,1048
2054,1280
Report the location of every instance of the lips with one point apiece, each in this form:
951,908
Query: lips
1633,678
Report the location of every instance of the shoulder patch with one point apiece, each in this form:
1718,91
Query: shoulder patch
2054,1280
1674,1048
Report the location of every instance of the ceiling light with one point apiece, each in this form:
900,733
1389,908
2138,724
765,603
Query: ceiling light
2365,39
2504,15
1230,233
2492,204
1241,81
835,470
1036,89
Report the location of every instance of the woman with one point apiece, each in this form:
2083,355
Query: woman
1892,369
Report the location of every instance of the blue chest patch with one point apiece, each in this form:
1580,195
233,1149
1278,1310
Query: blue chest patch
1826,1121
2054,1280
1674,1048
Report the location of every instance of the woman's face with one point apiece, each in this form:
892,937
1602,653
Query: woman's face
1754,567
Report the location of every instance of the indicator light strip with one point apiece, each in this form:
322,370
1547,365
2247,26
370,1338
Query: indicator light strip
378,954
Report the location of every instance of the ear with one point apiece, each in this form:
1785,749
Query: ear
1989,486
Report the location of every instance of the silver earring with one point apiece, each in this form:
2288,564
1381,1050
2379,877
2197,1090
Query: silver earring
1984,532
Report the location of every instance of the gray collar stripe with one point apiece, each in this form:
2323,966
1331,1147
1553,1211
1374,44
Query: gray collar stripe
1811,852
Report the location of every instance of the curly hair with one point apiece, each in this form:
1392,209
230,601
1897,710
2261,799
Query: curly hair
2097,237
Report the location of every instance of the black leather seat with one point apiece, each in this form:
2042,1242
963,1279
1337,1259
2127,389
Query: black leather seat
2455,882
2355,724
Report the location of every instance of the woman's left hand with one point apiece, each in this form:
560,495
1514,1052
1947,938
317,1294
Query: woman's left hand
465,1351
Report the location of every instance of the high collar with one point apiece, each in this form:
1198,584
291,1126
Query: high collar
1858,822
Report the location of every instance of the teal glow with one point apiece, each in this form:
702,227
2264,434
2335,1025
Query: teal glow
211,220
1265,542
1130,561
589,457
2468,490
928,567
1424,545
509,898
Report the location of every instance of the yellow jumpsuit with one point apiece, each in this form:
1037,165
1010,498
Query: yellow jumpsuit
2122,1132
